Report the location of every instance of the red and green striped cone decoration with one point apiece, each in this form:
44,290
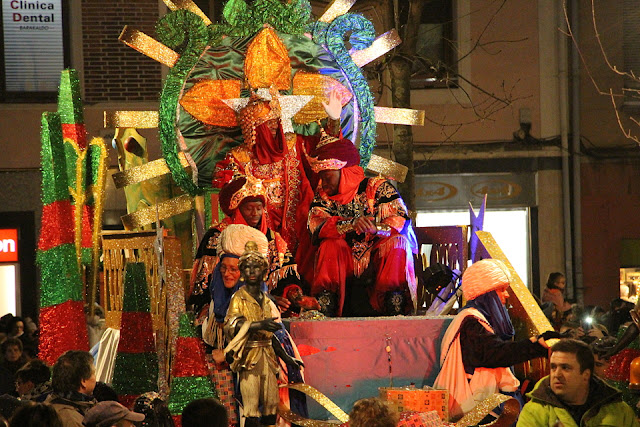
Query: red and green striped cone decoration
136,369
68,224
189,375
74,134
62,321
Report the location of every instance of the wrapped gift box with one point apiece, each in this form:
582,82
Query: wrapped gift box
420,419
416,399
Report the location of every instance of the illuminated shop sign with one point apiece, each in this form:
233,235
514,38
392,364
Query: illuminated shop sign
33,45
456,191
9,245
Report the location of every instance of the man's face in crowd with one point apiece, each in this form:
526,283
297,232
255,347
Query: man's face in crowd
230,272
18,329
251,212
23,387
12,353
330,181
89,384
567,382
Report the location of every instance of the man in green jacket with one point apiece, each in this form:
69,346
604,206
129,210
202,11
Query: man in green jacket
572,396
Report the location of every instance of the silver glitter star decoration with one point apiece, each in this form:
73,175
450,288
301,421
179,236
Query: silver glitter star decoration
289,105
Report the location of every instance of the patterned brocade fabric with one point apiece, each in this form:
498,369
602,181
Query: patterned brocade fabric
376,198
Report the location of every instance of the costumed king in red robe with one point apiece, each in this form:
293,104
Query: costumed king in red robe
364,263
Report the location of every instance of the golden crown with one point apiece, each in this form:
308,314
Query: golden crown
252,188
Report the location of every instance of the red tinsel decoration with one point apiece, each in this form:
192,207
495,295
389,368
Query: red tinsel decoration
62,327
620,365
191,356
137,336
127,400
57,225
77,132
177,420
87,226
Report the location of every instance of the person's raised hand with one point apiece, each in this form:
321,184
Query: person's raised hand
333,107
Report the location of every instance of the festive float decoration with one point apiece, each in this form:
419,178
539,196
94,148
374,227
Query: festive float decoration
73,176
213,62
136,368
190,376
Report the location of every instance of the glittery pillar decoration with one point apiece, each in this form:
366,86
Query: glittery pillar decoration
190,378
136,367
75,140
362,35
62,323
97,178
179,28
131,119
524,305
62,327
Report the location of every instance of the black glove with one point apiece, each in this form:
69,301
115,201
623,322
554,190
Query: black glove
549,335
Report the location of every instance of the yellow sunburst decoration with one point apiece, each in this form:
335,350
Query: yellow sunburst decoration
267,63
320,87
204,101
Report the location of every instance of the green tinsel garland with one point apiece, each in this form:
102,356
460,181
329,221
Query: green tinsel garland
60,276
186,329
135,289
187,389
69,98
54,172
362,35
137,373
242,20
179,28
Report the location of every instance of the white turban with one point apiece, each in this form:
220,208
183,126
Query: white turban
235,236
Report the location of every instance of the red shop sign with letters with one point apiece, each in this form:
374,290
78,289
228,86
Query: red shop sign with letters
9,245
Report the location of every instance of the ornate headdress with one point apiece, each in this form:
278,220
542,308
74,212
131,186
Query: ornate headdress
234,192
257,111
333,154
251,252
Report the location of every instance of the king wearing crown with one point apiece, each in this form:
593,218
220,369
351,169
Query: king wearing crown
364,263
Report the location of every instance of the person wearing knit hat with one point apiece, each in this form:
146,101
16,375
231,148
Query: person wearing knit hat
243,201
477,349
364,262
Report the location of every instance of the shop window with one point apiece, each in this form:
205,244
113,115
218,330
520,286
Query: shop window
34,36
436,59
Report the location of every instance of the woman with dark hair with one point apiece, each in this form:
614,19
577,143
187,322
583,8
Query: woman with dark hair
36,415
554,305
155,410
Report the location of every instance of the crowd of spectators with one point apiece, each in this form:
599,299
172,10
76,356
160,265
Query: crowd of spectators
67,394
